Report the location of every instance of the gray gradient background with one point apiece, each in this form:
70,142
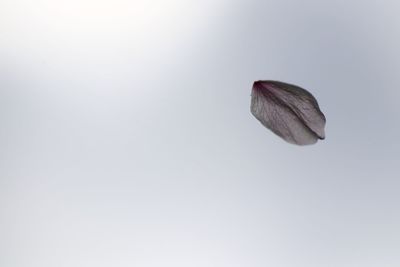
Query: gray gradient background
126,137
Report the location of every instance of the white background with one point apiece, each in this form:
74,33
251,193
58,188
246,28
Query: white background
126,137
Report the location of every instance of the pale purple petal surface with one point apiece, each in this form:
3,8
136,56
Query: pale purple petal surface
289,111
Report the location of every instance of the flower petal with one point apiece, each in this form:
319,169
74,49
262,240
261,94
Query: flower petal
289,111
